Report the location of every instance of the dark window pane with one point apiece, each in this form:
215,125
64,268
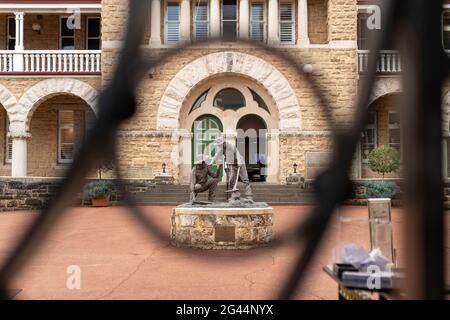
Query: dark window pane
229,10
229,31
199,101
67,44
229,99
11,27
394,118
65,31
93,44
259,100
11,44
94,28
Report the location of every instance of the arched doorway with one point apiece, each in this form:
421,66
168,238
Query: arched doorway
205,130
227,99
251,142
57,126
383,128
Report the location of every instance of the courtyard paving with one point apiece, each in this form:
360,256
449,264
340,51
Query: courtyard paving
118,259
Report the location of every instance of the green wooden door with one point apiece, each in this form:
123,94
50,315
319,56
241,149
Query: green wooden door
206,129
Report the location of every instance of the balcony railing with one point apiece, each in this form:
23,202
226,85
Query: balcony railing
51,61
6,61
389,61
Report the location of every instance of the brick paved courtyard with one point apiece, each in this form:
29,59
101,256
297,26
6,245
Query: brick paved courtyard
118,260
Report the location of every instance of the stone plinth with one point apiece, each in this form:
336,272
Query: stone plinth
208,227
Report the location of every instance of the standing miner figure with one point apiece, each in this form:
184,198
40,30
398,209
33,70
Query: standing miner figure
228,153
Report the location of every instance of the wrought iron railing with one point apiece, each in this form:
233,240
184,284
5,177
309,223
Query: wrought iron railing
425,68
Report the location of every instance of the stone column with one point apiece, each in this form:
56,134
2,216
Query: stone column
243,19
273,156
183,154
18,55
185,21
155,35
19,155
273,25
214,19
19,16
303,36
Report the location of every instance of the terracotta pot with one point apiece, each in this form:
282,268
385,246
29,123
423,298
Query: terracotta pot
100,201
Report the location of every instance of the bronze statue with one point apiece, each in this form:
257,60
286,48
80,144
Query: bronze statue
235,163
200,181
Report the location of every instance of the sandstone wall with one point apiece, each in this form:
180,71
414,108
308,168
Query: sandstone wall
317,21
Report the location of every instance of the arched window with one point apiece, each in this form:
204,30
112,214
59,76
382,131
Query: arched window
229,98
259,100
198,102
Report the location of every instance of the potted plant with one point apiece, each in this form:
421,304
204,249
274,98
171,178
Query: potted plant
383,159
98,192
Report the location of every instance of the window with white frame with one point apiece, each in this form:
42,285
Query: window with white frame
201,21
8,143
369,137
257,21
394,131
93,33
66,136
67,35
287,23
11,33
229,20
172,22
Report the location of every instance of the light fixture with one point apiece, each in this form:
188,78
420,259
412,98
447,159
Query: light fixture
164,167
295,167
36,27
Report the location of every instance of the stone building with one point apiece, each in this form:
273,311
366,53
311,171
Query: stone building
55,56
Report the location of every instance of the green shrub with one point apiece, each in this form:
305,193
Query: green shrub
381,189
97,189
384,159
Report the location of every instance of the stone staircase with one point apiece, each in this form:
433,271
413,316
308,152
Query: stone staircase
270,193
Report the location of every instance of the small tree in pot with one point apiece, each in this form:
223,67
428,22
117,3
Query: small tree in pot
98,192
383,159
105,166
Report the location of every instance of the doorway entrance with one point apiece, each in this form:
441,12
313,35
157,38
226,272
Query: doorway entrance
206,129
251,142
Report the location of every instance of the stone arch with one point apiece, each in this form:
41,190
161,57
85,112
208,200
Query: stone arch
7,99
13,111
385,86
239,63
48,88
